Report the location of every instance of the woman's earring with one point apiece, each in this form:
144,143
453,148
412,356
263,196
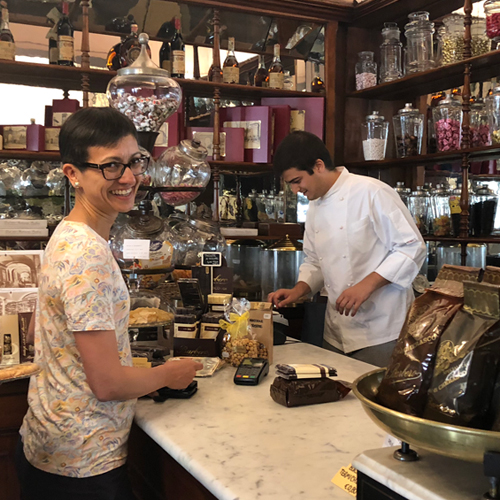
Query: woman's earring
77,184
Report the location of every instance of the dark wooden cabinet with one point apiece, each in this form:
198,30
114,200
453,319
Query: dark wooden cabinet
369,489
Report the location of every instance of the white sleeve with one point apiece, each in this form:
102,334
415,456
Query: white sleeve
394,226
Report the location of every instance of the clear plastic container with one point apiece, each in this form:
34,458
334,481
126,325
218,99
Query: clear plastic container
408,131
366,71
183,165
419,33
479,124
441,213
448,123
453,39
390,54
374,136
480,43
419,205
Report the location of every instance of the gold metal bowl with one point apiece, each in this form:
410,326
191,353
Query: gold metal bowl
449,440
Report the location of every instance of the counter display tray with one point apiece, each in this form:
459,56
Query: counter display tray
34,370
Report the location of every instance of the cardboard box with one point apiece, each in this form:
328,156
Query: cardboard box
52,138
24,137
282,117
261,323
9,337
62,109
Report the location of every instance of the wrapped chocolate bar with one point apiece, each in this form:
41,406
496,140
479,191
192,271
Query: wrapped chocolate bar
308,391
409,374
294,372
467,360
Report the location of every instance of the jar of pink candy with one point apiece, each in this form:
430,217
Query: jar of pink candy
479,124
448,123
492,11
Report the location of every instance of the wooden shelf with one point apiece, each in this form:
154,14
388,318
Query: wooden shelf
24,238
9,154
70,78
486,239
242,168
483,68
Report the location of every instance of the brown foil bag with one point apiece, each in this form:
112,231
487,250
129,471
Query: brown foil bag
308,391
467,359
409,373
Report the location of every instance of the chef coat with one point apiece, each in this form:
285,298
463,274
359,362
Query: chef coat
358,227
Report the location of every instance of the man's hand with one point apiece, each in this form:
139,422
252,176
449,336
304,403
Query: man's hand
284,296
350,300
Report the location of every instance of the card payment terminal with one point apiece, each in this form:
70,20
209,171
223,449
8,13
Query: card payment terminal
251,371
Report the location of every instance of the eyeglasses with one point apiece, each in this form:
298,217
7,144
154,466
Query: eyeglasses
114,170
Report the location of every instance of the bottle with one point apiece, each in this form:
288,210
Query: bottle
276,72
53,49
178,52
280,207
130,48
7,46
65,39
230,68
317,85
113,60
260,77
166,57
288,81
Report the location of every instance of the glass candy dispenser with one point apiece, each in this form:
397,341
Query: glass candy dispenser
419,33
390,54
441,212
374,136
408,131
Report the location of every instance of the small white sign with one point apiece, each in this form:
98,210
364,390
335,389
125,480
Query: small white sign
211,259
136,249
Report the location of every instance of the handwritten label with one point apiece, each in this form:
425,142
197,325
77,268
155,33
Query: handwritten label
136,249
347,479
141,363
211,259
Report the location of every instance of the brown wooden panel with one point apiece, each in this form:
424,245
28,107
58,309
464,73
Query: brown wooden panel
9,485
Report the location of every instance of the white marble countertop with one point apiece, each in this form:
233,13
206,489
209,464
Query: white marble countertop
433,477
242,445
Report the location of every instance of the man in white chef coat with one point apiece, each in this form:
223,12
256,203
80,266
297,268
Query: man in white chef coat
360,243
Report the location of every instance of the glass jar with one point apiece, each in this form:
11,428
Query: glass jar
419,34
438,42
271,206
479,124
183,165
374,136
494,103
492,11
55,182
250,208
483,208
280,207
390,54
146,94
366,71
453,39
419,206
34,179
261,206
448,123
408,131
10,175
456,210
441,213
480,43
403,192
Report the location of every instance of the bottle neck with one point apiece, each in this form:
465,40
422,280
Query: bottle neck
5,19
276,53
177,26
262,63
230,46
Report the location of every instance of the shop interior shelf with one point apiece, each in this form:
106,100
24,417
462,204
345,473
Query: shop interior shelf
70,78
483,68
14,154
486,239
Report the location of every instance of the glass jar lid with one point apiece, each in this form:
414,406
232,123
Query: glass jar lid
450,100
484,190
419,20
391,30
194,149
145,222
375,117
408,110
420,192
366,54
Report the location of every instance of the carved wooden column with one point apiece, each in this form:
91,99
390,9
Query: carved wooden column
85,52
464,198
216,139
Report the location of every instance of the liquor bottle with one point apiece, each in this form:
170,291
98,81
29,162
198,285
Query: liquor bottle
230,68
65,39
178,54
165,57
317,85
53,49
130,48
113,60
7,45
260,77
276,72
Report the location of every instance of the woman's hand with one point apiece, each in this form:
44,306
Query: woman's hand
180,372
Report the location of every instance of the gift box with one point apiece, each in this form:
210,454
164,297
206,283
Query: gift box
62,109
232,142
52,138
281,123
28,137
170,134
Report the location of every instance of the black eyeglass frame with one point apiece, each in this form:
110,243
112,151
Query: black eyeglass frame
102,166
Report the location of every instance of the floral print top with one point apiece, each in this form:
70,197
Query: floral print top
67,430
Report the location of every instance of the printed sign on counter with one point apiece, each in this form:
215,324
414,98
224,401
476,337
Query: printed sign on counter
347,479
211,259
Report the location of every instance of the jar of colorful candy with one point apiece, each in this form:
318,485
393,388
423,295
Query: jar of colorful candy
448,123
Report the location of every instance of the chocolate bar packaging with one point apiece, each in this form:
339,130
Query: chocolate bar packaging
308,391
467,360
409,374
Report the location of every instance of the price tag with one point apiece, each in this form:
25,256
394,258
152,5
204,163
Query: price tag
136,249
141,363
391,441
211,259
347,479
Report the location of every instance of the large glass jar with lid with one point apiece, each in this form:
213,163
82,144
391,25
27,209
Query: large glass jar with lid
419,205
483,208
374,136
441,213
479,124
408,131
182,166
390,54
492,11
494,103
453,39
419,33
480,43
448,123
146,94
366,71
403,192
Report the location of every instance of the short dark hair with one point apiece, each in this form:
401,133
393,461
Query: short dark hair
301,150
90,127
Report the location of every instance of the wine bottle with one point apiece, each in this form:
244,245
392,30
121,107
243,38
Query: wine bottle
7,45
65,39
178,54
276,72
53,49
230,68
165,57
260,76
317,85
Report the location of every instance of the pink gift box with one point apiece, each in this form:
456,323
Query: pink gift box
234,142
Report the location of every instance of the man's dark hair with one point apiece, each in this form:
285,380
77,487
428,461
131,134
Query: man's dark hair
301,150
90,127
